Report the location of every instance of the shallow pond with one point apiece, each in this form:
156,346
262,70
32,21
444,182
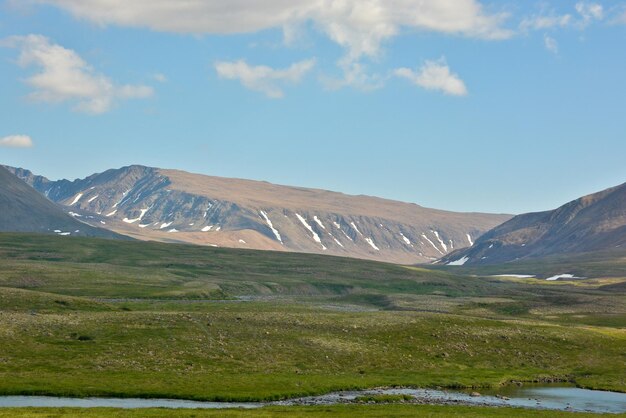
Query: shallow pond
553,397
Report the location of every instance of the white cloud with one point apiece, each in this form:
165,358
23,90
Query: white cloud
161,78
589,11
360,26
16,141
262,78
435,75
551,44
621,17
356,75
64,76
586,13
545,22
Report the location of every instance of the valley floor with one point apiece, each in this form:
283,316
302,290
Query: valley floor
96,318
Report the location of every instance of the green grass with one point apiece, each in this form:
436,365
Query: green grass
85,317
116,269
250,351
365,411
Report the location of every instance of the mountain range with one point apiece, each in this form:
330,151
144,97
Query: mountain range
175,206
22,209
594,222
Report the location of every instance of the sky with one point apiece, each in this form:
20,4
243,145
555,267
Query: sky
463,105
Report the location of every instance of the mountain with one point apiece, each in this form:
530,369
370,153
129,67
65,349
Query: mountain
22,209
592,223
175,206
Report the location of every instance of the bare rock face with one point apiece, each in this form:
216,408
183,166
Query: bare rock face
592,223
169,205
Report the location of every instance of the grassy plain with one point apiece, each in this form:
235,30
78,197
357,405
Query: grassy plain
86,317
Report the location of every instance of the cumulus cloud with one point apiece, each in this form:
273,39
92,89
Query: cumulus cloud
16,141
359,26
586,13
551,44
545,22
262,78
63,76
434,75
356,74
590,11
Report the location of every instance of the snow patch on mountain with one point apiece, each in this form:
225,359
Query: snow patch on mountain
76,199
355,228
141,215
461,261
316,237
271,226
443,245
562,276
316,219
431,243
405,239
122,199
372,244
337,241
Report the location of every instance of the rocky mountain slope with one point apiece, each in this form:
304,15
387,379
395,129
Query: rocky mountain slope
22,209
169,205
592,223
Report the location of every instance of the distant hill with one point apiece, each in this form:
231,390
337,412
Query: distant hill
592,223
175,206
23,209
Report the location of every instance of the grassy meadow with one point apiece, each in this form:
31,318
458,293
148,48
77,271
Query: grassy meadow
87,317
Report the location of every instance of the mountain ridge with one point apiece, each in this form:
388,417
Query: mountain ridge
593,222
173,205
25,210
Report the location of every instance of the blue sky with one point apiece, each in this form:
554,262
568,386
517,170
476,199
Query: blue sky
454,104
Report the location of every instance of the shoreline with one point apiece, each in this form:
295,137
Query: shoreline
377,396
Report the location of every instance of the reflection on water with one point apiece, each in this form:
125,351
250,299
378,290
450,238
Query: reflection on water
577,399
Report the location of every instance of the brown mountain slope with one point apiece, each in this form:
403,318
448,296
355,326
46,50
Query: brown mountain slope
591,223
171,205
